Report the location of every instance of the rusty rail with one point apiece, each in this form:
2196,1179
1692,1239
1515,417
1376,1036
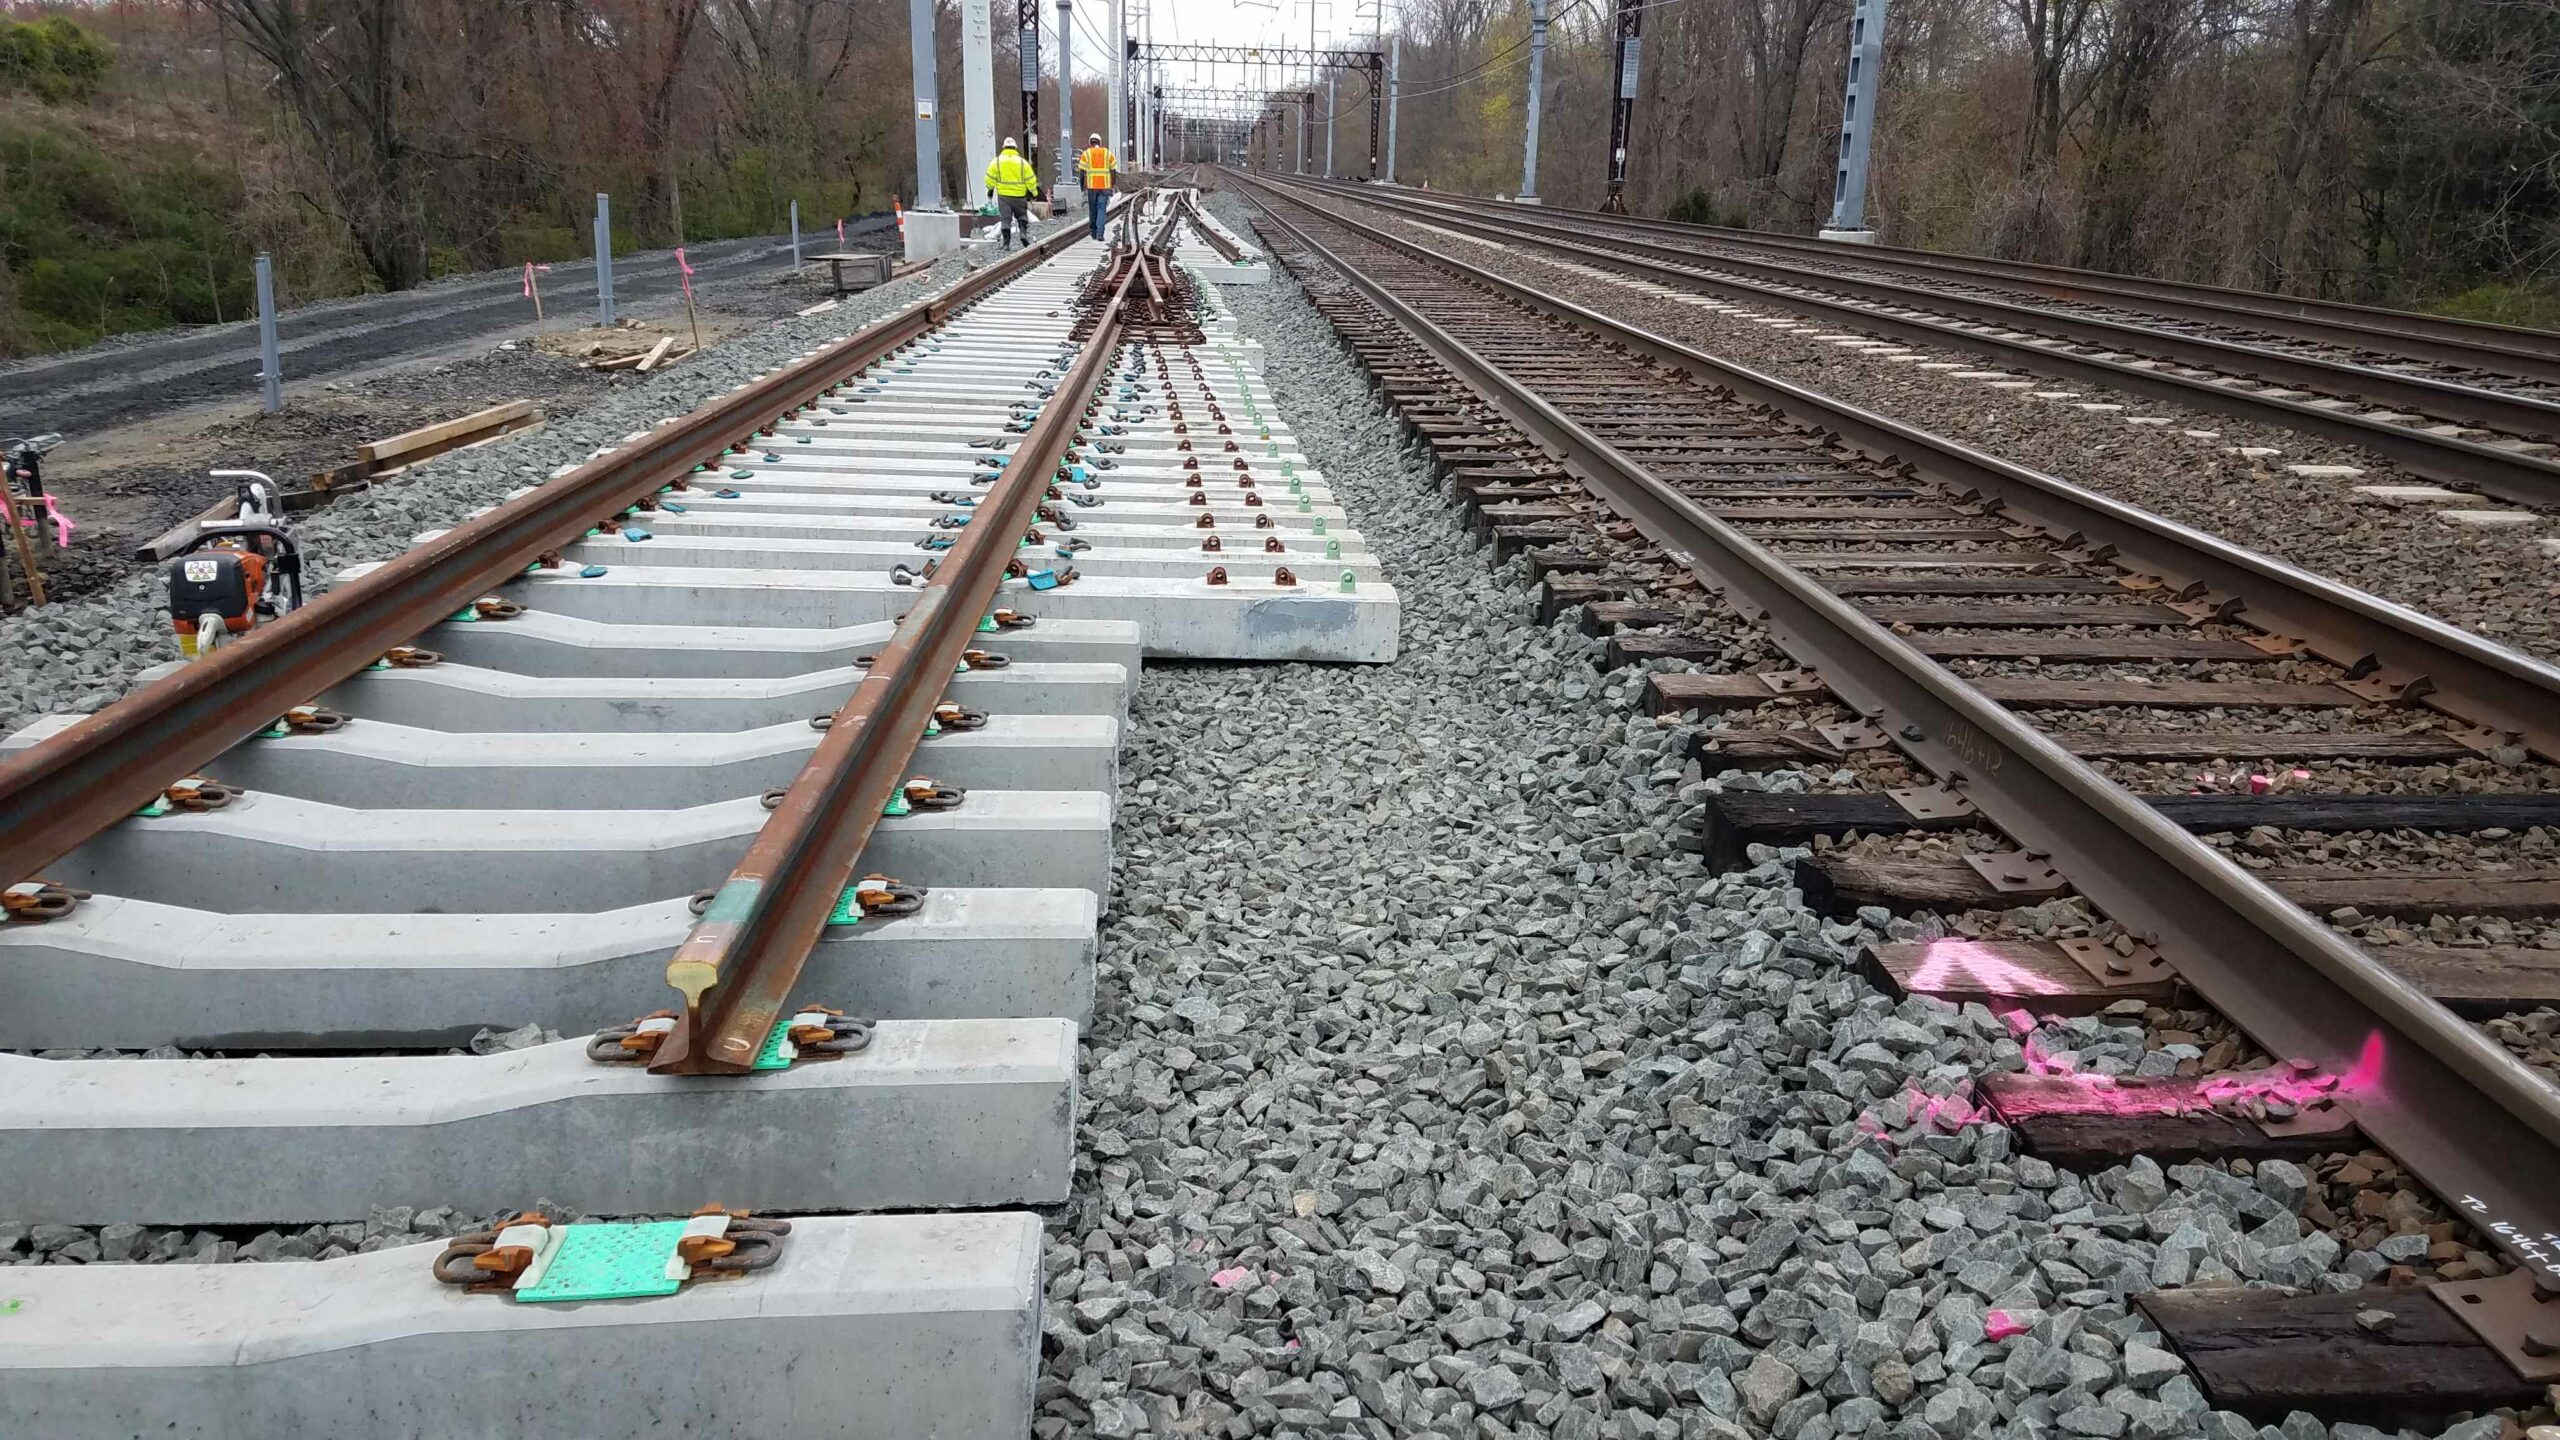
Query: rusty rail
737,966
75,784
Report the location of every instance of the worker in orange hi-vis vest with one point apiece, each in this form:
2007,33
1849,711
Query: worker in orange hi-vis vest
1097,165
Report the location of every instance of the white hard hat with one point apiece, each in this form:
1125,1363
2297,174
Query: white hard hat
1095,137
1008,142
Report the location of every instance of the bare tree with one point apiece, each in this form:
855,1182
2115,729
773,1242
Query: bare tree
343,69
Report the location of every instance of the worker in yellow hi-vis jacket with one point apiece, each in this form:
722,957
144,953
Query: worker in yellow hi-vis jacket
1014,180
1096,166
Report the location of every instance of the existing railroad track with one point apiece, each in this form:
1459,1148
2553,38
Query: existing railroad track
797,716
2005,688
2475,406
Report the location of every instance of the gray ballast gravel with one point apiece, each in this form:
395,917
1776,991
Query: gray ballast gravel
84,654
1434,1093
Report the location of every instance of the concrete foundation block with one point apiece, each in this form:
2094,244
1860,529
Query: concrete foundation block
931,234
132,974
890,1327
935,1114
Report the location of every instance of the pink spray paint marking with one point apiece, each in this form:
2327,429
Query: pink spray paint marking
2097,1094
1998,1326
1953,964
687,276
1230,1278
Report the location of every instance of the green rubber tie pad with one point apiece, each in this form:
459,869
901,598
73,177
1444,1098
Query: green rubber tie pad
609,1262
777,1053
275,732
848,909
154,810
986,624
463,616
898,805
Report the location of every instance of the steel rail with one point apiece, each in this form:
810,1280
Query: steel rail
747,950
2453,671
2533,354
2469,1119
69,787
2443,399
2506,473
1227,249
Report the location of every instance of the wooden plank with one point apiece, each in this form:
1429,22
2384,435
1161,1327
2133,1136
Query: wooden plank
1671,694
2085,1123
1918,559
1843,533
1739,818
1658,645
168,542
417,444
2508,894
1841,883
1749,749
2031,975
1607,617
1559,593
2489,980
1839,512
1837,884
656,353
2144,644
1989,617
1978,585
2264,1354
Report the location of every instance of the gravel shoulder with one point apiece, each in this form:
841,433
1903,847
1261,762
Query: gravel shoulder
2497,583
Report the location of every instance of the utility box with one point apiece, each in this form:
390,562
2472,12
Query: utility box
861,272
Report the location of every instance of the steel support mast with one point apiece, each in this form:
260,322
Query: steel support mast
1026,19
1331,105
1857,125
1622,112
1395,79
928,129
1066,99
977,97
1116,128
1537,84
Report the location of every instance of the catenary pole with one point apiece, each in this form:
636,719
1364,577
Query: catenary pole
1622,110
977,98
1537,83
1857,122
1066,99
928,128
1395,69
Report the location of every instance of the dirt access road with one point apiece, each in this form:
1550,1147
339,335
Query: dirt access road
147,416
137,377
